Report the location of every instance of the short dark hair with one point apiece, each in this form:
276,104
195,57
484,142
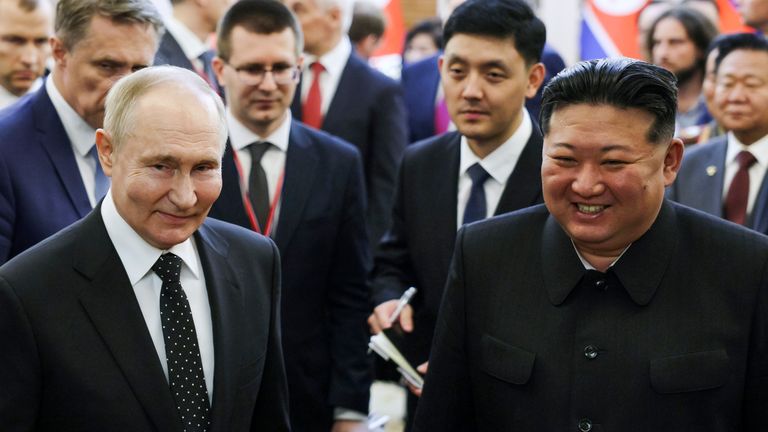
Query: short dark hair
256,16
500,19
367,19
620,82
739,41
432,27
698,27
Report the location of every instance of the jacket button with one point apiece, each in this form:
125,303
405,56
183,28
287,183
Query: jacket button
585,425
601,284
590,351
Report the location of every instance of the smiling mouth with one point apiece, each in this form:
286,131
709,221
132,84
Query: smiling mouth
591,209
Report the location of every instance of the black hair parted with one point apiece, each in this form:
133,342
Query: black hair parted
500,19
727,44
620,82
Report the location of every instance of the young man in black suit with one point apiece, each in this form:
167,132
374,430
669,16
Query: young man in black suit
305,189
144,315
489,68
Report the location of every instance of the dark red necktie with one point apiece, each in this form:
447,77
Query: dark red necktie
735,208
312,113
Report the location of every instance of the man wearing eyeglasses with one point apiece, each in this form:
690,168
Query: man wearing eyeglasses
303,188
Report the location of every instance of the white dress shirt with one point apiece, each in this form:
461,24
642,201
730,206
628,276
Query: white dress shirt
7,98
190,44
333,61
759,150
81,136
273,160
499,164
138,257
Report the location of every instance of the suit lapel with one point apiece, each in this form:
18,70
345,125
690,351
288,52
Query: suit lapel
227,320
712,185
441,180
523,187
344,91
109,301
300,167
759,218
53,138
229,206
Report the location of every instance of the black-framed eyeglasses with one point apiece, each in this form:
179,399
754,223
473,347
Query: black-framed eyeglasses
254,74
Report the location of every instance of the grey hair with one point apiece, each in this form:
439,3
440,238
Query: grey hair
345,6
73,17
124,95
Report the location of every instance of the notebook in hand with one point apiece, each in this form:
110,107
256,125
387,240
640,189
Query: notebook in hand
386,344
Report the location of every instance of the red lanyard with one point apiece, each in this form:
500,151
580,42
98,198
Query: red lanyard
247,201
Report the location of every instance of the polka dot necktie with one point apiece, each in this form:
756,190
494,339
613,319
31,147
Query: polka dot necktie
185,368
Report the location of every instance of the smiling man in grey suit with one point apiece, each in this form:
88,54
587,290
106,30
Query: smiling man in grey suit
726,176
145,315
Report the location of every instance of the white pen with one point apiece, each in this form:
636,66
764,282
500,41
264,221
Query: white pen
404,300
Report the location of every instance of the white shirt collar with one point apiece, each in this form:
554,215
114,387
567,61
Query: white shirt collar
81,135
759,149
240,136
192,46
334,60
501,162
136,254
588,266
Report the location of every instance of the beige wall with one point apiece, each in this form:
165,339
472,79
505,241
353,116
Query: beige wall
417,10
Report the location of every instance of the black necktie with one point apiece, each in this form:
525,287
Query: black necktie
185,368
476,208
258,190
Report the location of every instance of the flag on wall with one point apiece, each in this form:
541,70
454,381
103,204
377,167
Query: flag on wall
609,28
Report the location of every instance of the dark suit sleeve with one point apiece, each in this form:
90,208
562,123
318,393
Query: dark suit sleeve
388,138
756,386
446,403
20,379
7,213
393,271
271,410
349,301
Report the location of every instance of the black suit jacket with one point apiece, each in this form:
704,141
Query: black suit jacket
671,338
324,250
417,249
367,110
76,354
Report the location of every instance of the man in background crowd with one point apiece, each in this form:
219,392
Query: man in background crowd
48,165
726,176
305,189
25,26
367,28
678,41
185,42
342,95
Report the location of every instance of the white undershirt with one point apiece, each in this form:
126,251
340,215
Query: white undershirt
759,150
499,164
81,136
138,257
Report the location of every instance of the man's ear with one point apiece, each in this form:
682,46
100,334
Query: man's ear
58,51
106,151
673,159
535,78
217,64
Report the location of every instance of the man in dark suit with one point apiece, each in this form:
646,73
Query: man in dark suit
726,176
351,101
489,68
48,167
421,82
305,189
609,307
143,315
185,42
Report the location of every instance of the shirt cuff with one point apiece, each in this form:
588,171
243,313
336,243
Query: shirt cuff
348,414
